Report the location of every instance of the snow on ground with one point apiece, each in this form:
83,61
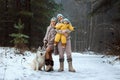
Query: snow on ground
88,67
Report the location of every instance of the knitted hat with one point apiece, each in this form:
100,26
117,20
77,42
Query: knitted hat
53,19
60,15
67,20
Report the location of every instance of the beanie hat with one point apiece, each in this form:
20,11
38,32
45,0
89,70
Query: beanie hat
53,19
67,20
58,15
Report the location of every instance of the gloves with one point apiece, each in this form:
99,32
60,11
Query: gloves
59,31
45,43
74,28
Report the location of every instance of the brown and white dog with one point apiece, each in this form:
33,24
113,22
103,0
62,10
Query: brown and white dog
39,60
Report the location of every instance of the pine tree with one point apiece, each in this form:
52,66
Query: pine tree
42,11
103,6
35,14
19,39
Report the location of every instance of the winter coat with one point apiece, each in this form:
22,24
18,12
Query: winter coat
50,35
63,27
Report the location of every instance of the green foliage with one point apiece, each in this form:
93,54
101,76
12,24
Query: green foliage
43,10
35,14
19,38
19,26
25,13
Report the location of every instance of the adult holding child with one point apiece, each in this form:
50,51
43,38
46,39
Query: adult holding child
65,25
67,48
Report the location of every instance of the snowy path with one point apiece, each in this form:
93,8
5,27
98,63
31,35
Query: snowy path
88,67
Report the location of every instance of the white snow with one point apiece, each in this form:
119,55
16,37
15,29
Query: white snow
88,67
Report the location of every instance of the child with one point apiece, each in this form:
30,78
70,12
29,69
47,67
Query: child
65,25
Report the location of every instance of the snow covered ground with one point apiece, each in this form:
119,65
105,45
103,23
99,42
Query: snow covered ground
88,67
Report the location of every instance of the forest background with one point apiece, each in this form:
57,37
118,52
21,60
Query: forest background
96,21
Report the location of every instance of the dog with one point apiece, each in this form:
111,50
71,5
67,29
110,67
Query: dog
39,60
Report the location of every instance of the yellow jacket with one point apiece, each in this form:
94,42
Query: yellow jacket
62,26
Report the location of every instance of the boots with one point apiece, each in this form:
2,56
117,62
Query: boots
61,65
49,65
48,68
71,69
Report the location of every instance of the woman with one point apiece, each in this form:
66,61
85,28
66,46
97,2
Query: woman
49,43
67,49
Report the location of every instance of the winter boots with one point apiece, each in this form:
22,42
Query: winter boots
48,60
49,65
61,65
70,67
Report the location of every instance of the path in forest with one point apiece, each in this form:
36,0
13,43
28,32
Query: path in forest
88,67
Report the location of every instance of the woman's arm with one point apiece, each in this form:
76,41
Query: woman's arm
45,40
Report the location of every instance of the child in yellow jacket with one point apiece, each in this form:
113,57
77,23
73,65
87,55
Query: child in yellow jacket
65,25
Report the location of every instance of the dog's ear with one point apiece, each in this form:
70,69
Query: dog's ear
43,48
39,48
